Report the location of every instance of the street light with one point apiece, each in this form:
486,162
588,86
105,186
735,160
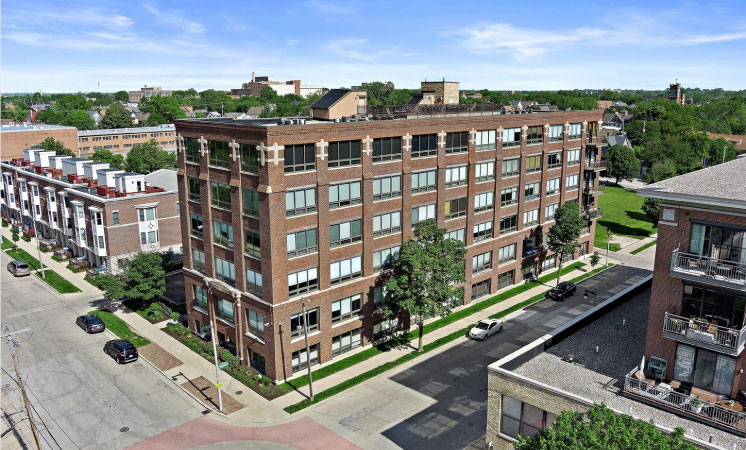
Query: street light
608,238
592,292
308,350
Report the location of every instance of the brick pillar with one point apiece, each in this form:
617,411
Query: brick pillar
322,208
367,198
441,180
206,202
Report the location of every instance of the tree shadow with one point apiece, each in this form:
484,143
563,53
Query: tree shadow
618,228
637,215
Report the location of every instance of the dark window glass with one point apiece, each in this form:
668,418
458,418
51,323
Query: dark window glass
457,142
345,153
299,158
386,149
424,145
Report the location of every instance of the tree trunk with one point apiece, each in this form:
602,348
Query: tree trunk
422,328
559,269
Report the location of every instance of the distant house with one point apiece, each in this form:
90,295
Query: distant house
213,115
738,140
615,121
617,139
546,107
96,116
239,116
604,104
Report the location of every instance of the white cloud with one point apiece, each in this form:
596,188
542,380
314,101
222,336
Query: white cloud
82,16
355,48
175,18
335,8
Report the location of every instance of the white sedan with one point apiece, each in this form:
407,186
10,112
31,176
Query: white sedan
485,328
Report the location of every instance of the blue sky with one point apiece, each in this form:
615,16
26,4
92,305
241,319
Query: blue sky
66,46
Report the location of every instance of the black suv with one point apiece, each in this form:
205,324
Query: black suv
90,323
122,351
564,290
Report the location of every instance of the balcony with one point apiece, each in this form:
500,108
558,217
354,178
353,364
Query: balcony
593,190
701,333
592,212
704,269
595,165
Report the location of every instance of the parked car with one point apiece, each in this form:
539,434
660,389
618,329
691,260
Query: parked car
485,328
19,268
562,291
90,323
121,350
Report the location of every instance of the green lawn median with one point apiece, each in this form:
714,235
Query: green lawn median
7,243
120,328
24,255
59,284
643,247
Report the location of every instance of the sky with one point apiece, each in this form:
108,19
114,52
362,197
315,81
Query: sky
72,45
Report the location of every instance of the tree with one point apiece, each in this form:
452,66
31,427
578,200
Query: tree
116,117
161,109
622,163
595,258
51,143
121,96
422,279
79,119
146,279
14,231
651,207
562,238
112,285
378,92
115,160
149,157
600,428
268,94
660,171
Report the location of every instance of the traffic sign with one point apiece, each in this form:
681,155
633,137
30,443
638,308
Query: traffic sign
223,365
219,385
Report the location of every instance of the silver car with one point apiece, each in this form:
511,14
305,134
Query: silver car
19,268
485,328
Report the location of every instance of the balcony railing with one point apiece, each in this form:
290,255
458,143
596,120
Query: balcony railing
592,213
595,165
664,396
704,334
707,269
593,190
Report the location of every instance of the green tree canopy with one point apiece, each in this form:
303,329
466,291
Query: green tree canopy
161,109
79,119
121,96
115,160
422,279
50,116
112,285
116,117
562,238
71,102
145,277
51,143
149,157
651,207
622,163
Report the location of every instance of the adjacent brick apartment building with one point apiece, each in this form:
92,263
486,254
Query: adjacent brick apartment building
121,140
15,138
276,211
101,214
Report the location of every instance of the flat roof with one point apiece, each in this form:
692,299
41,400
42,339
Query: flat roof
164,178
599,377
33,127
167,127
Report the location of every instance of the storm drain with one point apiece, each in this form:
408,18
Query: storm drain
124,429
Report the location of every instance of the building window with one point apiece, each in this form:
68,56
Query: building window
302,242
510,167
145,214
532,191
345,342
221,195
553,186
573,157
455,176
100,242
481,262
548,263
345,269
300,359
386,187
520,418
530,217
480,289
533,164
455,208
296,322
485,140
385,327
225,310
571,182
195,228
457,142
549,211
556,133
423,181
200,295
509,196
483,201
347,308
254,282
345,233
424,145
255,322
252,243
458,235
506,279
115,217
249,158
554,160
303,281
388,223
83,239
482,231
191,149
535,135
198,260
300,201
345,153
299,158
575,131
592,130
225,270
220,154
222,233
421,213
511,137
385,258
485,171
251,202
386,149
344,194
379,295
507,254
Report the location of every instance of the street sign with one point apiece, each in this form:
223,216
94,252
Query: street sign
219,385
223,365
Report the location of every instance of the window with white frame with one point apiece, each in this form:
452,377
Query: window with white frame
485,171
149,237
483,201
302,242
481,262
485,140
297,322
386,187
573,157
556,133
347,308
225,270
549,262
423,181
383,259
511,137
387,223
482,231
510,167
455,234
254,282
255,322
379,295
507,253
303,281
346,342
222,233
300,201
225,309
554,160
344,194
532,191
553,186
571,182
574,131
300,359
530,217
200,295
345,233
345,269
421,213
549,211
100,242
384,327
455,176
509,196
143,214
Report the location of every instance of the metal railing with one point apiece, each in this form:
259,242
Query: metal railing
400,111
592,213
717,269
702,331
593,190
667,397
595,165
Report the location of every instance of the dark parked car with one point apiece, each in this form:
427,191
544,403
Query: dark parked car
19,268
90,323
564,290
122,351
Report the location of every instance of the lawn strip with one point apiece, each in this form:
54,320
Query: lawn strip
120,328
59,284
643,247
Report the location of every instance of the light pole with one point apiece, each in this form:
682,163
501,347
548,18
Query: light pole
608,237
38,248
592,292
308,350
217,369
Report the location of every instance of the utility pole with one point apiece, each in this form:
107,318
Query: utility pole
608,237
12,344
217,370
38,249
724,152
308,350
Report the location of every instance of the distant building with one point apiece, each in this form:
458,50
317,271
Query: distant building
614,122
436,93
147,91
96,116
675,94
543,107
339,103
738,140
121,140
255,86
604,104
15,138
471,94
616,139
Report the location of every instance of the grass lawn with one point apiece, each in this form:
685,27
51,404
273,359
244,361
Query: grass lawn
622,215
644,247
24,255
120,328
7,244
59,284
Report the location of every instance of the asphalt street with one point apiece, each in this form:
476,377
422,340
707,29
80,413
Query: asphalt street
81,397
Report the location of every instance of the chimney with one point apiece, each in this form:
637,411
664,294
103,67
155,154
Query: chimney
253,76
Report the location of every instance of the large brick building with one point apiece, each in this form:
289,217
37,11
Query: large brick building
121,140
100,214
277,211
16,138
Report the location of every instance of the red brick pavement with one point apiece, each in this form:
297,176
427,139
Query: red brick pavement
303,434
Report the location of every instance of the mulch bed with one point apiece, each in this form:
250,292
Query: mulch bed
204,389
160,358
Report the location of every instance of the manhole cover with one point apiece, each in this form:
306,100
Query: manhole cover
124,429
239,392
205,412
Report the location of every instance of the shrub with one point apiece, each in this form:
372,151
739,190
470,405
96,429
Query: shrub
26,238
175,316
